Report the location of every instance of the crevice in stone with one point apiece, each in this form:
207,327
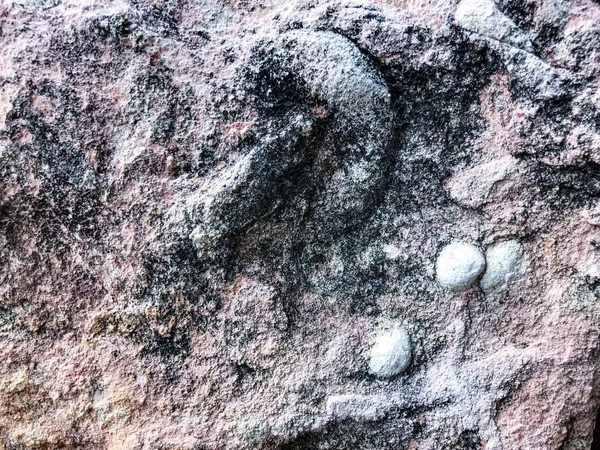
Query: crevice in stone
596,437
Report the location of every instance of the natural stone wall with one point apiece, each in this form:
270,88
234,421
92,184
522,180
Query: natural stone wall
223,223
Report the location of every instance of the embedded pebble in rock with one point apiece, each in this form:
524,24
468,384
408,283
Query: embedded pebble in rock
459,265
504,262
391,353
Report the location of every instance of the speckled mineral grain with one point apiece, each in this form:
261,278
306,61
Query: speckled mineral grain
208,208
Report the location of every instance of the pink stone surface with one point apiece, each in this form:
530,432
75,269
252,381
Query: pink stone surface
209,208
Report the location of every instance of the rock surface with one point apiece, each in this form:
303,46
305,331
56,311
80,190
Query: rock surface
361,408
208,207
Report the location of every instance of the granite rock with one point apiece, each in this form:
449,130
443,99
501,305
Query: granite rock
209,207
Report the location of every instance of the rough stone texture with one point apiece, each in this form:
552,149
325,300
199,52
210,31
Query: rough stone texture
361,408
485,18
207,207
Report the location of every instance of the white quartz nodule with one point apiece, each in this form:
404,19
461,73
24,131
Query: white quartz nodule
362,408
459,265
504,262
391,353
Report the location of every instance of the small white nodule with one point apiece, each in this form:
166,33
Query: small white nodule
504,263
459,265
391,353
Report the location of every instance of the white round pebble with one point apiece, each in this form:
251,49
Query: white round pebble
504,262
391,353
459,265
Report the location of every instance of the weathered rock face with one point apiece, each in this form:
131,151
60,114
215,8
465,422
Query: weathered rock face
209,210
